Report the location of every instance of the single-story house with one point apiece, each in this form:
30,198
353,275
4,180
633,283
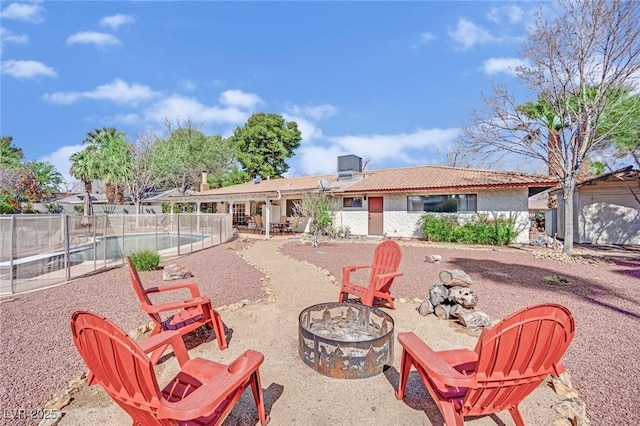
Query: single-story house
387,202
606,209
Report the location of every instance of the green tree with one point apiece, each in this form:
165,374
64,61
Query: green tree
620,124
575,62
48,177
318,208
264,143
142,179
82,168
111,159
179,160
10,155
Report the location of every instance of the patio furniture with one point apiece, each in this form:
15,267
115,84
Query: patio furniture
293,225
192,313
384,269
203,392
510,360
259,224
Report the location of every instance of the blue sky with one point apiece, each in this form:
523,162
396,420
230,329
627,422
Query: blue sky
392,82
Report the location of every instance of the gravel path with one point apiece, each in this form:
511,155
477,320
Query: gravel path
604,298
37,355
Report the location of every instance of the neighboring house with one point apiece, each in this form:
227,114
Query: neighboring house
606,209
387,202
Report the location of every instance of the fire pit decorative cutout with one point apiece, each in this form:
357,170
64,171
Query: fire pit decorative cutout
345,340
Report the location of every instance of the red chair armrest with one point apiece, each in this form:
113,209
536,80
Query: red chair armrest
193,288
204,400
168,338
346,271
435,365
174,306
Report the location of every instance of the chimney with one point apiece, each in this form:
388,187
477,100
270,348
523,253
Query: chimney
204,186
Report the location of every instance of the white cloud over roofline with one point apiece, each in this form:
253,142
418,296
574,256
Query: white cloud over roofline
27,69
118,91
60,159
93,37
467,34
238,98
20,11
114,21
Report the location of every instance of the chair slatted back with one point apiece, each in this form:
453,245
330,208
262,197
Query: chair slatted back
140,290
516,355
119,366
386,258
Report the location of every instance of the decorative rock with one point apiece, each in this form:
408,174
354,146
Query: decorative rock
463,296
475,319
457,310
425,308
455,277
438,294
175,272
58,402
52,418
442,311
434,258
417,300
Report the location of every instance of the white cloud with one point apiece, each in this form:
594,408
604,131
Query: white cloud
317,160
178,107
118,91
93,37
27,69
395,147
60,159
7,36
427,37
502,65
238,98
187,85
129,119
314,112
308,129
29,12
512,13
115,21
467,34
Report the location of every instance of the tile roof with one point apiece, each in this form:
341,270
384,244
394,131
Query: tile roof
442,177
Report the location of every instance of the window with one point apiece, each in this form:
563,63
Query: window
291,206
443,203
352,202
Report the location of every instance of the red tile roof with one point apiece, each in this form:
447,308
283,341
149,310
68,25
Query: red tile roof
428,178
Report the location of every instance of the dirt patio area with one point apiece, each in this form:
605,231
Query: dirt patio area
37,357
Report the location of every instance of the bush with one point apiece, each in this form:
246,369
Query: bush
145,260
482,230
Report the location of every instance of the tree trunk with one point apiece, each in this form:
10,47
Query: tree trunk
475,319
457,310
567,194
438,294
463,296
455,277
442,311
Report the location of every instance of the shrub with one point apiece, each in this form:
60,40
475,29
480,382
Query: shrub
482,230
145,260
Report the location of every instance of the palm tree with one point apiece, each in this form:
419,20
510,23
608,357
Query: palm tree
82,168
112,158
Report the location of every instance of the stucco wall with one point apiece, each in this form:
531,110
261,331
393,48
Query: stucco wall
400,223
608,213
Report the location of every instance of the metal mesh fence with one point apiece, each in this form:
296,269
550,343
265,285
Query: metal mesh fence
38,251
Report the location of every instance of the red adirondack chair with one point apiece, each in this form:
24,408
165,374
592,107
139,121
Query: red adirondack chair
384,269
202,393
510,360
192,313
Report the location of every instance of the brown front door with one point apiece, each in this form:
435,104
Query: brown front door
375,216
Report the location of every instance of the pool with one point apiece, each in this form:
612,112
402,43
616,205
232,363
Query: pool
109,248
117,246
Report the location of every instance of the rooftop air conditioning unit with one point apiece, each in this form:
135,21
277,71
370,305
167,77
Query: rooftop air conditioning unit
349,162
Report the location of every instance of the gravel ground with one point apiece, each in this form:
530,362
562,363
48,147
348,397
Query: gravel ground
37,355
603,296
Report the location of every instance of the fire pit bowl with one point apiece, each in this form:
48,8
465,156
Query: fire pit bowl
345,340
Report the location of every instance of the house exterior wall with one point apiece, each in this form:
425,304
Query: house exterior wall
398,222
608,213
604,213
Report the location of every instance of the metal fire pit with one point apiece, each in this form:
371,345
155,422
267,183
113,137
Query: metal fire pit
345,340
